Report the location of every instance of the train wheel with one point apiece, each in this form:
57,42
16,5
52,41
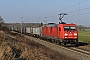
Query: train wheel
63,43
53,41
77,45
57,41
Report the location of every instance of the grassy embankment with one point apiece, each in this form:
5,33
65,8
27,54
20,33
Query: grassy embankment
84,36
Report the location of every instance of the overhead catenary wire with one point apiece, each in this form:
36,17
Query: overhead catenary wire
79,14
78,10
72,11
46,15
68,7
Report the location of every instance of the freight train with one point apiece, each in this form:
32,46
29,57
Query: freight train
57,33
61,33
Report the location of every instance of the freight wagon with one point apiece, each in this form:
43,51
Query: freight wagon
37,31
24,30
28,31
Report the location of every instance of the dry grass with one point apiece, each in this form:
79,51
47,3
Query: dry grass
24,49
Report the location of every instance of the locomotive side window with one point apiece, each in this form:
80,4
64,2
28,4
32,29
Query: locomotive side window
69,28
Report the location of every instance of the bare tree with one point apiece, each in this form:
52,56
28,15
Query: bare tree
1,20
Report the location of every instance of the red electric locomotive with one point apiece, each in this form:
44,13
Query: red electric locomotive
60,33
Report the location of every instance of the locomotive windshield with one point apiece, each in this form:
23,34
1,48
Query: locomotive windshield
69,28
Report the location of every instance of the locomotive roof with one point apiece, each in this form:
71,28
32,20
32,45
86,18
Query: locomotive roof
51,24
55,25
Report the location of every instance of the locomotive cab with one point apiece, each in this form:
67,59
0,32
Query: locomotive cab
68,33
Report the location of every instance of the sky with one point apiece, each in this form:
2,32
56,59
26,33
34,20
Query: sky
36,10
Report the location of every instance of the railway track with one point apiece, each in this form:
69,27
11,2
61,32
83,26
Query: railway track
73,52
76,49
80,51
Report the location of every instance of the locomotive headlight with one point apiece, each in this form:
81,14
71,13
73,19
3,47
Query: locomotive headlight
66,34
75,34
65,37
75,37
